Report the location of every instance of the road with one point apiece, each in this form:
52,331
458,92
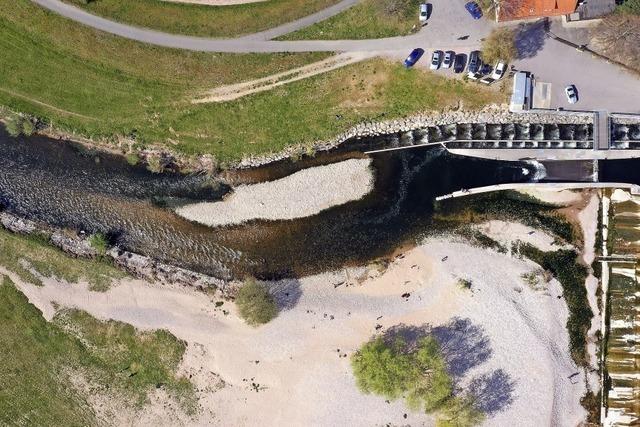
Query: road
436,33
600,85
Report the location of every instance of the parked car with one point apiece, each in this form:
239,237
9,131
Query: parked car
473,9
499,70
474,61
449,56
572,94
435,60
459,63
424,12
413,57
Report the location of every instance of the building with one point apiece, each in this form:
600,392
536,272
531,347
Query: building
522,92
511,10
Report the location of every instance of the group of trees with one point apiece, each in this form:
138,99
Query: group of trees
394,370
618,36
500,45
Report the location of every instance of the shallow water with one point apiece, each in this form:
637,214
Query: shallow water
63,185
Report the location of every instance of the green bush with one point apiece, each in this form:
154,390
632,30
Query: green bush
98,241
255,304
630,6
564,266
394,370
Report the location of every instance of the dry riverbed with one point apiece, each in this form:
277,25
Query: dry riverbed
301,194
504,339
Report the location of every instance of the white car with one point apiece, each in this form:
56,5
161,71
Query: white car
424,12
435,60
499,70
448,59
572,94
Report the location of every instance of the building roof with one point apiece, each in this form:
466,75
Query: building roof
524,9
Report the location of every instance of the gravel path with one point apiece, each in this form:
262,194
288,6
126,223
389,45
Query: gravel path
301,194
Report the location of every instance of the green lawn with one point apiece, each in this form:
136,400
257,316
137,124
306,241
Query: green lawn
38,358
368,19
203,20
102,86
26,255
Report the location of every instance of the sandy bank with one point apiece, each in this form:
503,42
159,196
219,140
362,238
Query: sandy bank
301,194
503,339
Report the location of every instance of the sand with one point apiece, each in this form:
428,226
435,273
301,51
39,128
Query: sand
504,338
301,194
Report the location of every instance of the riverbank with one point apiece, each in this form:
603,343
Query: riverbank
301,359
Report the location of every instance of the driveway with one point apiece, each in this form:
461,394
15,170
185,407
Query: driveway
601,85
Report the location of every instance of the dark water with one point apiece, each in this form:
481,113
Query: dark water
62,185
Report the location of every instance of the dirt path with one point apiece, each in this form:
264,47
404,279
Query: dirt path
238,90
51,107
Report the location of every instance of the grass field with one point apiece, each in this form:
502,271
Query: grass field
38,359
369,19
26,255
203,20
101,86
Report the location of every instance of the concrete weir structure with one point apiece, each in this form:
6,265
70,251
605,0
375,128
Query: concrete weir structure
562,135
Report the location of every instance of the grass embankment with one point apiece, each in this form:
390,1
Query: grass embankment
369,19
102,86
204,20
24,255
42,361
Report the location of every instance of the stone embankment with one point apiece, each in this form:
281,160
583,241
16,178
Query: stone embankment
140,266
492,114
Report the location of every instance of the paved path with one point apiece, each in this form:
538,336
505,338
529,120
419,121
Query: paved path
306,21
437,33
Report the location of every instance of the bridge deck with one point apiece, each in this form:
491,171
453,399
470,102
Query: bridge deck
601,130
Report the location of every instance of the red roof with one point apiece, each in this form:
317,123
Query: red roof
524,9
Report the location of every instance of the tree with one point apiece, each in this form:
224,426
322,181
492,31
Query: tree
255,304
500,45
618,37
393,369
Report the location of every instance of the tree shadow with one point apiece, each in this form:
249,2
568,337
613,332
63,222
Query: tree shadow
492,392
286,292
463,344
530,38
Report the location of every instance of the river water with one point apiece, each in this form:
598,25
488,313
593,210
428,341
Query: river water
64,185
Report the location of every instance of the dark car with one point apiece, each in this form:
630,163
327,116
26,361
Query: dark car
473,8
459,63
413,57
474,62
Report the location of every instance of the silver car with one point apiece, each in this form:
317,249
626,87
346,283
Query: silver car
572,94
435,60
449,56
424,12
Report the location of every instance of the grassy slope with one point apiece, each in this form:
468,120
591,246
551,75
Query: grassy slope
21,255
202,20
127,88
366,20
38,356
